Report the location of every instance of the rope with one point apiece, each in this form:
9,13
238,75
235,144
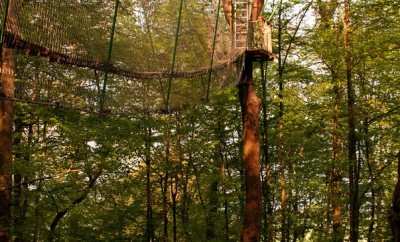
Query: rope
57,105
110,47
213,50
174,54
14,42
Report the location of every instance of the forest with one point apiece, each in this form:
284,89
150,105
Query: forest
200,120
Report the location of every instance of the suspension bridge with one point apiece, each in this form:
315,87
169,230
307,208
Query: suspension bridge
100,56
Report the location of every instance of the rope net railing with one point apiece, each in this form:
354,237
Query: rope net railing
78,32
58,86
72,45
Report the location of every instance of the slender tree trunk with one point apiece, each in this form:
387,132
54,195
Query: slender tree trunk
149,195
222,164
61,214
335,175
174,193
165,188
250,104
17,185
37,211
352,155
212,208
267,210
395,210
6,124
280,149
371,177
185,181
241,172
185,204
20,187
226,216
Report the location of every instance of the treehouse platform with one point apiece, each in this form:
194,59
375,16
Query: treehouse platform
259,54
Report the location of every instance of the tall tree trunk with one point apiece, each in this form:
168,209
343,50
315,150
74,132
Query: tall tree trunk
352,155
6,124
371,177
266,186
222,164
250,104
149,195
280,151
241,173
185,204
335,175
184,171
164,187
174,193
18,179
37,211
395,210
226,215
20,186
212,207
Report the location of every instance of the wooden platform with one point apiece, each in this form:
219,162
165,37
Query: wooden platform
259,55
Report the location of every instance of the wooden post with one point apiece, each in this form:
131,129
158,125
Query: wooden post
250,105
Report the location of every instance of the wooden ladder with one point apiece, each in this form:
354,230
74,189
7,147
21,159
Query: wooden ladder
241,23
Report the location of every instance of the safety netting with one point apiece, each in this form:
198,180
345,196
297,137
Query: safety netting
119,56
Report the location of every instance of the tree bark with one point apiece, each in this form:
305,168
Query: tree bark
149,195
352,155
164,187
266,186
61,214
6,123
335,175
174,193
20,186
212,208
395,210
371,177
250,104
280,155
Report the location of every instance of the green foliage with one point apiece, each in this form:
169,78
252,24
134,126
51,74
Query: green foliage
58,150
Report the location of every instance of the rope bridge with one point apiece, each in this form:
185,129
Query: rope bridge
80,43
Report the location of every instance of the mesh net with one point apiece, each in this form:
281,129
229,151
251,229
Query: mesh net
137,58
